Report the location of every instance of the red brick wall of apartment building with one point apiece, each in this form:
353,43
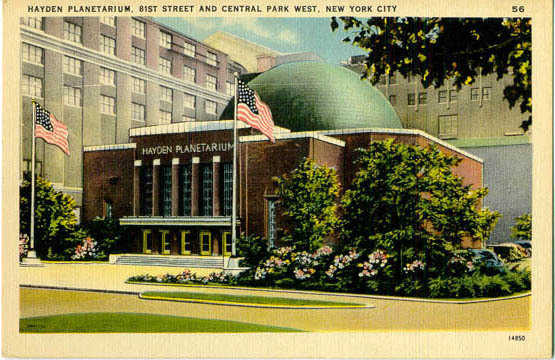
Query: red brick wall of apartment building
107,176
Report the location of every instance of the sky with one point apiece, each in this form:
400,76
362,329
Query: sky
287,35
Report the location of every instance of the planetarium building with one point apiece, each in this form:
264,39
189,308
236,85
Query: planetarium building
171,185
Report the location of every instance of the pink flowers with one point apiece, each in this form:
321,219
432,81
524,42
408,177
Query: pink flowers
341,262
85,250
414,266
376,260
23,245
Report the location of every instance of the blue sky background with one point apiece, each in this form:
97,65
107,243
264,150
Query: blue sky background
286,35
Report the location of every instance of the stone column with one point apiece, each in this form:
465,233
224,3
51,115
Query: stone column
156,187
216,203
175,187
137,188
195,188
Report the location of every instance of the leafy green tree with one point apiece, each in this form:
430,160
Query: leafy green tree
456,49
55,220
522,229
406,200
308,198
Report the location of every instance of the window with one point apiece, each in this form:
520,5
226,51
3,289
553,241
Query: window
166,244
139,86
452,95
185,242
165,66
72,32
271,222
227,243
107,209
107,77
108,20
107,105
165,117
448,126
486,91
72,66
442,96
166,94
211,58
107,45
393,99
211,82
146,190
185,180
189,49
72,96
422,98
186,118
34,22
138,114
206,192
165,40
230,88
33,54
189,74
166,190
139,28
31,86
475,94
411,99
138,56
210,107
228,189
205,242
189,101
392,79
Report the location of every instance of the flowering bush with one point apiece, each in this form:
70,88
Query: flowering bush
87,250
457,264
186,277
23,246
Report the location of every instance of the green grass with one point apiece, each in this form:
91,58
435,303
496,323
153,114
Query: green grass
262,300
136,323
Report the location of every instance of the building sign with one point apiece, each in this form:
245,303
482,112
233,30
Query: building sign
187,149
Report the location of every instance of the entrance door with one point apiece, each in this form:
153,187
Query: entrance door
185,243
205,242
227,243
147,241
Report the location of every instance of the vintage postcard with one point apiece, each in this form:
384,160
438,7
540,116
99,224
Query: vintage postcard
215,179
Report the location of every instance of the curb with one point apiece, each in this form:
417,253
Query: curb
257,306
49,287
377,297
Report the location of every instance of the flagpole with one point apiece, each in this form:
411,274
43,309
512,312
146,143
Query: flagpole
234,191
31,253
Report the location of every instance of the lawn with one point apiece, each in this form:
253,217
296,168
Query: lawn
136,323
244,299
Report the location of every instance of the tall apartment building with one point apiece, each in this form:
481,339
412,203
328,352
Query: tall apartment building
477,119
102,76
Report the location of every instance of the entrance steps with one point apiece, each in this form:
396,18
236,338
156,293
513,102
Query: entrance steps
216,262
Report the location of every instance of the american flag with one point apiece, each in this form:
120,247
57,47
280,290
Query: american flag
50,129
253,111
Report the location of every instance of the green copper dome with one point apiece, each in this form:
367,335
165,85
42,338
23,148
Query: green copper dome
306,96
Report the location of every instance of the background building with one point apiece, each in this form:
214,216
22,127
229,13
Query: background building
105,75
477,119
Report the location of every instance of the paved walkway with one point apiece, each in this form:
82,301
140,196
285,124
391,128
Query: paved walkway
388,314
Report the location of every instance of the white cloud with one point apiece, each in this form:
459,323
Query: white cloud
251,25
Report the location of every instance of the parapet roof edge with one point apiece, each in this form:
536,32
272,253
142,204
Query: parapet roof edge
294,135
194,126
403,132
110,147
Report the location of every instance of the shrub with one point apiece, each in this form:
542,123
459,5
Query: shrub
107,233
522,230
308,197
23,246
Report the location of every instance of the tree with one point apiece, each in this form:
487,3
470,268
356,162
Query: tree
406,200
308,198
522,229
438,49
55,220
